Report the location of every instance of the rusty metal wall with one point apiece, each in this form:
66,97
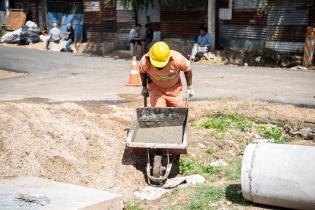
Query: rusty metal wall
277,24
286,24
30,6
100,21
125,22
181,24
246,29
183,20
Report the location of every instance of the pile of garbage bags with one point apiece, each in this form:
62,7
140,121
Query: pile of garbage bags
28,34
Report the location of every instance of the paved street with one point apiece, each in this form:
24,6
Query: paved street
68,77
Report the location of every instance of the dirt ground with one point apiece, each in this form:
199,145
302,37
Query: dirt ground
84,143
37,46
10,74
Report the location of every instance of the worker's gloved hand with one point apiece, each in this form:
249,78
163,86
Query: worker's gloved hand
145,91
189,92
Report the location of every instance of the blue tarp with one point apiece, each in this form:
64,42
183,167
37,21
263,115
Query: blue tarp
63,19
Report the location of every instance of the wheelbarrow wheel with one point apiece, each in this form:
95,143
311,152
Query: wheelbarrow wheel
156,170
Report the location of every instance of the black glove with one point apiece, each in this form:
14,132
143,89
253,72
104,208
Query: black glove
145,91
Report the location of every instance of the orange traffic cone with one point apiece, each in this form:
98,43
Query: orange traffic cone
134,78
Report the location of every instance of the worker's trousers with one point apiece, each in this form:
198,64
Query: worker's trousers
165,97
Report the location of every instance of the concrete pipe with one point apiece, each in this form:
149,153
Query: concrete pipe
279,175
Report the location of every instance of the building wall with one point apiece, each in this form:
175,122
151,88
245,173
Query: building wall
125,22
30,7
276,24
151,14
101,25
180,23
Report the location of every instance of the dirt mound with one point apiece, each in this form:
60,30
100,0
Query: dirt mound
69,143
258,110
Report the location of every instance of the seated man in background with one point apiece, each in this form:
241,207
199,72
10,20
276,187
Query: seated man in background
54,35
69,37
135,39
203,43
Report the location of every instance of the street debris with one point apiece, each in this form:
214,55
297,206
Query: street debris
33,198
26,35
218,163
150,193
195,179
29,33
299,67
174,182
153,193
261,57
11,37
307,133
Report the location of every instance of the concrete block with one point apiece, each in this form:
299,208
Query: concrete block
42,194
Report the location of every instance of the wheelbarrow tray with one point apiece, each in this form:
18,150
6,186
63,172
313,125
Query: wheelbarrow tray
163,129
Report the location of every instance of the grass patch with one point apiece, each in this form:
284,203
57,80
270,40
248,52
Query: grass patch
233,170
273,132
222,122
211,150
233,193
189,165
133,206
205,197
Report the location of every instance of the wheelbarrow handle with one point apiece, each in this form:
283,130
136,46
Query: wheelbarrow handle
186,103
145,101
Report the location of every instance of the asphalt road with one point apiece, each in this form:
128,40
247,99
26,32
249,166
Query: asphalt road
68,77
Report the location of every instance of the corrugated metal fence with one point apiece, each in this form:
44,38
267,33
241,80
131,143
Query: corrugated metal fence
286,24
277,24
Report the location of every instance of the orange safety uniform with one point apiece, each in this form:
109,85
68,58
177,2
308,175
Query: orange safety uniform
165,86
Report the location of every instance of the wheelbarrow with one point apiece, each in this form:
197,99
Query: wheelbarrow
160,134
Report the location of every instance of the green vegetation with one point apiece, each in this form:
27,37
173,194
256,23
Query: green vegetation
189,165
233,170
205,197
211,150
133,206
233,193
273,132
224,121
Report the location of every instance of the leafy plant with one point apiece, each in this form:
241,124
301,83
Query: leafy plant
188,164
223,121
273,132
211,150
233,170
133,206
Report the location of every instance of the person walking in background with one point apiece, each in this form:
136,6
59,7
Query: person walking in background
69,37
202,43
54,35
135,39
148,36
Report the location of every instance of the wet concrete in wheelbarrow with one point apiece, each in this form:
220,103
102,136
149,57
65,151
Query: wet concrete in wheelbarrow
161,135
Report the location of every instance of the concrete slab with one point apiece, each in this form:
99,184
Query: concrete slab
25,193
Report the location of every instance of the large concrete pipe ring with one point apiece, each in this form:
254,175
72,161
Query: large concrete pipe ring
279,175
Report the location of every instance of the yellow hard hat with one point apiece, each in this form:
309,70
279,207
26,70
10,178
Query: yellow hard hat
160,54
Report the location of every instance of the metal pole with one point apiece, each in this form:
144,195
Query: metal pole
211,22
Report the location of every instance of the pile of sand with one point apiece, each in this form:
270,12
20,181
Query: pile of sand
68,143
10,74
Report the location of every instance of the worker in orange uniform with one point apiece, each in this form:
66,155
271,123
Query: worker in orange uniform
160,75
